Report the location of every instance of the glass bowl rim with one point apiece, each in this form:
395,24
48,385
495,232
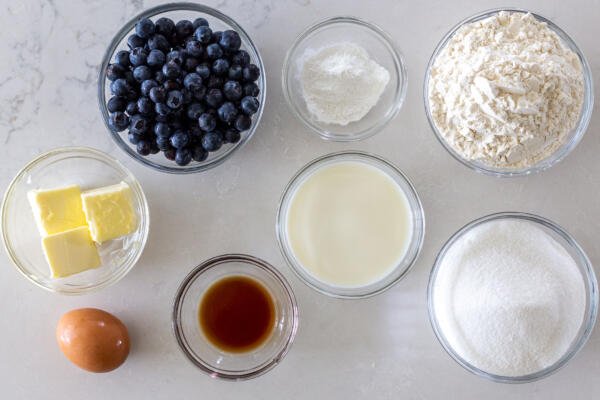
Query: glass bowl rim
85,152
400,70
575,135
113,47
416,208
182,291
588,275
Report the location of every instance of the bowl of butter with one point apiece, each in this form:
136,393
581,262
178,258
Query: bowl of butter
74,220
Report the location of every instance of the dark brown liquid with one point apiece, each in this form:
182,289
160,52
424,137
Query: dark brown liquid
237,314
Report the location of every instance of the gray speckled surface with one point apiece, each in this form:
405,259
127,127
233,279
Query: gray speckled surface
377,348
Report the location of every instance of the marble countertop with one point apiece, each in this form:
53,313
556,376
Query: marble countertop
379,348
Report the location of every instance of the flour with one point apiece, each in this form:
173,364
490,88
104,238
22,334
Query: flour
509,299
341,83
506,91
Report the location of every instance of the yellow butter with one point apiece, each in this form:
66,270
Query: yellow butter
70,252
57,210
109,212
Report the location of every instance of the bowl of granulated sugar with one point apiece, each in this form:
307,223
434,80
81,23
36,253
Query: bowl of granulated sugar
512,297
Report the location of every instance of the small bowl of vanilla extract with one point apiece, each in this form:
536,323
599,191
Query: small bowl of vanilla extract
235,317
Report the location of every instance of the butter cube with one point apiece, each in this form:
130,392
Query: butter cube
57,210
109,212
70,252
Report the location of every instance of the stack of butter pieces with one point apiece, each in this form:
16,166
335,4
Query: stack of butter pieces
73,222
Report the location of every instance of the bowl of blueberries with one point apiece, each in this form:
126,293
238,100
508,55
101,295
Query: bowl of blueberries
181,87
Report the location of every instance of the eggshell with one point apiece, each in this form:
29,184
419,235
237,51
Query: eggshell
93,339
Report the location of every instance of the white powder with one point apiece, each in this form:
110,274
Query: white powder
509,298
506,91
341,83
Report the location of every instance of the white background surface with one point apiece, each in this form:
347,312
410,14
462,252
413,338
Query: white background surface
377,348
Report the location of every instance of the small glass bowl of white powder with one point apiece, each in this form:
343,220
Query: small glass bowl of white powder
512,297
508,93
344,78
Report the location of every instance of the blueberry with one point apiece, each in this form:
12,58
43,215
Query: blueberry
162,109
232,135
192,81
146,86
227,112
214,97
129,77
220,66
180,139
183,157
230,41
214,82
232,90
114,72
194,111
118,121
142,73
170,154
176,55
203,70
214,51
159,76
132,94
134,41
171,70
249,105
251,73
138,56
194,48
162,129
190,63
145,106
199,154
174,99
131,108
116,103
143,147
241,58
251,89
243,123
171,85
184,28
216,36
144,28
120,87
165,26
122,58
158,94
212,141
159,42
199,93
187,96
163,143
203,34
235,72
196,133
134,138
138,125
153,147
198,22
207,122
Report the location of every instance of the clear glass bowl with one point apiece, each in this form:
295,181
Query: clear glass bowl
212,360
89,169
403,267
587,272
179,11
572,139
380,47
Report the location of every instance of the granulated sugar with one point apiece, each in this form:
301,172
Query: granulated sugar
509,298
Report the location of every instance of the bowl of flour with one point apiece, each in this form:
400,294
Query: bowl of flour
344,78
508,93
512,297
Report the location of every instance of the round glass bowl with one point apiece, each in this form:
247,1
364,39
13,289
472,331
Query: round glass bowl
180,11
573,137
416,235
587,273
89,169
202,353
380,47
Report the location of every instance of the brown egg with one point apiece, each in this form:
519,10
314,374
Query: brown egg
93,339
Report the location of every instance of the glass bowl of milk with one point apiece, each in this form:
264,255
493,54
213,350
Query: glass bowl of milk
350,224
